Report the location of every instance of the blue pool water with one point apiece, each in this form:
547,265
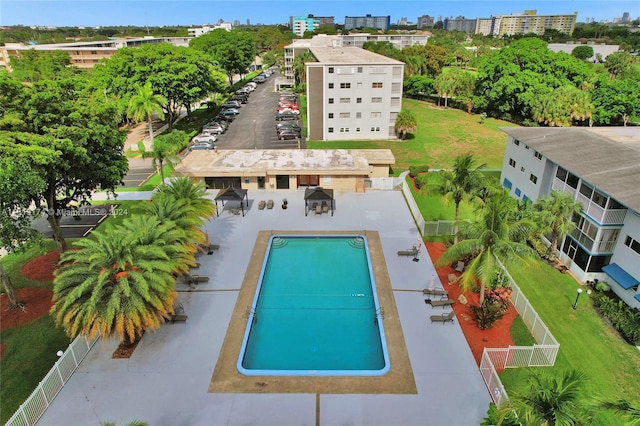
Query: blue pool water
315,311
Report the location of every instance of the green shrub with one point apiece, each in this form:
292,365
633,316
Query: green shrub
502,416
487,313
422,180
602,286
623,318
414,171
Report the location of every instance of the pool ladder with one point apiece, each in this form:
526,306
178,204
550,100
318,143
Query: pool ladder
251,313
379,315
278,242
357,243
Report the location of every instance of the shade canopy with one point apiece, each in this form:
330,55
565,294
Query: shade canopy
232,194
620,276
318,193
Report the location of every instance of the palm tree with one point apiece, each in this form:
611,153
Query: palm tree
555,213
144,104
164,150
119,281
194,194
406,122
551,400
461,183
498,238
629,410
299,67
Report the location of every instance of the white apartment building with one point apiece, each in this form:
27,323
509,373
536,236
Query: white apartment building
197,32
352,94
600,168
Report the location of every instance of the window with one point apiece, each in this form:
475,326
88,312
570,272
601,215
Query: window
522,169
526,147
330,129
357,129
345,100
512,162
358,100
533,178
359,69
376,114
586,190
537,155
561,174
358,115
330,100
376,85
359,85
345,85
516,142
345,115
330,85
330,115
632,244
330,70
375,129
376,100
344,130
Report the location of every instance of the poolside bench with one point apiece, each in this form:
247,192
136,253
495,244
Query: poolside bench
270,204
413,252
262,204
435,292
442,302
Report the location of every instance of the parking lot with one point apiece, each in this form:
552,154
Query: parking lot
255,126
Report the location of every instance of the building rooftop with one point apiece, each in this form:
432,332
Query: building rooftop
258,162
605,157
350,55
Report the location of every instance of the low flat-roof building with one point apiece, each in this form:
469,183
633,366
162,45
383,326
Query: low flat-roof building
600,168
339,169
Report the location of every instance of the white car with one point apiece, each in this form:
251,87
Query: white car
204,138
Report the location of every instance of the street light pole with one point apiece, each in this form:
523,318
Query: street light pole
575,304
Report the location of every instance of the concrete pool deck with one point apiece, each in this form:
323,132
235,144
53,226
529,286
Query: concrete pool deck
166,381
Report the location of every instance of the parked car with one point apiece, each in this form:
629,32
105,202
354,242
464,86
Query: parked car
288,125
213,129
286,116
230,111
259,79
288,134
215,123
231,104
204,138
243,99
202,145
288,111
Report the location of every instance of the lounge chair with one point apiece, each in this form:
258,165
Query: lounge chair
325,207
414,251
442,302
178,318
193,280
270,204
459,266
209,248
262,204
443,317
435,292
318,209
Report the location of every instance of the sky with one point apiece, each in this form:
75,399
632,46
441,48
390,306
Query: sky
91,13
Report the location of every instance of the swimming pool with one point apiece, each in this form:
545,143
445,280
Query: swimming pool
315,310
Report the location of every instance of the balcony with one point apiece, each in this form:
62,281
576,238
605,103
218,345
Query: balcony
594,247
600,214
559,185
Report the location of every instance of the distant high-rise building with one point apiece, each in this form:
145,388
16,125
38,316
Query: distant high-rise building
625,17
380,22
236,23
425,21
460,24
530,22
403,21
324,21
248,21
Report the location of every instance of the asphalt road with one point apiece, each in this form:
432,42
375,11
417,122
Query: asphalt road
255,126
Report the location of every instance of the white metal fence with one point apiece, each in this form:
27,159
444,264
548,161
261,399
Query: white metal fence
541,354
36,404
383,183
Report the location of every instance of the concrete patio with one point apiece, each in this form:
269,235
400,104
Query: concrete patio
166,380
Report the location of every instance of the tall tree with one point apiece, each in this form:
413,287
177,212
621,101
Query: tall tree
299,67
164,150
144,104
232,50
35,65
119,281
552,399
498,237
562,107
616,102
81,129
618,64
406,122
555,213
461,183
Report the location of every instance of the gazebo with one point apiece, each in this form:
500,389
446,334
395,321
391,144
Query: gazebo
232,194
315,194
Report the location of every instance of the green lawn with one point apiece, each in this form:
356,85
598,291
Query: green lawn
586,342
442,134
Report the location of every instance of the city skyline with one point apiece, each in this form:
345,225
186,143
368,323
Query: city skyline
92,13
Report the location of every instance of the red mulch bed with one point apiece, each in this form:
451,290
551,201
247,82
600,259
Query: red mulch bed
37,302
497,336
41,268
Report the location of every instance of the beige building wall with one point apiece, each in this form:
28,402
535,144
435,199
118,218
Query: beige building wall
315,102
